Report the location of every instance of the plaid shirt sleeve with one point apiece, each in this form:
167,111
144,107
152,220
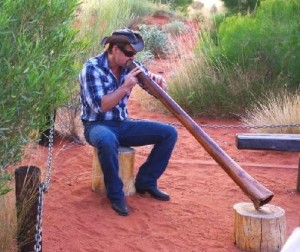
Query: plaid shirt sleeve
92,88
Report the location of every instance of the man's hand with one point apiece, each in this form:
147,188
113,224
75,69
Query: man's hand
131,78
159,80
111,100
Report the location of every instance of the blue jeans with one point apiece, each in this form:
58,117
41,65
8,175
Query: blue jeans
107,136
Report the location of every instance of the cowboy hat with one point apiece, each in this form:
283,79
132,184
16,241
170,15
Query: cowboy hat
125,36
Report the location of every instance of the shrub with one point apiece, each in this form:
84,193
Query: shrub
175,28
181,4
176,4
241,5
156,40
269,38
37,48
248,57
203,89
145,57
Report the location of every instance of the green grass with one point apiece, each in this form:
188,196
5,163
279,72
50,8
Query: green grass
245,60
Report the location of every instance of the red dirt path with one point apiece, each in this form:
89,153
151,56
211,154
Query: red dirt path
199,216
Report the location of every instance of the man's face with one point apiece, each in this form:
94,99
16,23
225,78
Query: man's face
123,54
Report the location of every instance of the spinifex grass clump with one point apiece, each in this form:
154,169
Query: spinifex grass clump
280,109
8,222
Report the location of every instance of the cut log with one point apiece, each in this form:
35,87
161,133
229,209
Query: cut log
126,171
262,230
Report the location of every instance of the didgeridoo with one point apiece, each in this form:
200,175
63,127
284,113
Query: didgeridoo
258,194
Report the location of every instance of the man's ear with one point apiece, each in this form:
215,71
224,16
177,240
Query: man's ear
115,47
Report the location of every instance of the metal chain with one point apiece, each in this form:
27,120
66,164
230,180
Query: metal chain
243,127
50,154
38,227
44,187
236,126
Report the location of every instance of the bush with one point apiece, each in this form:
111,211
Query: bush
246,59
175,28
37,48
203,89
156,40
242,6
267,39
270,37
179,4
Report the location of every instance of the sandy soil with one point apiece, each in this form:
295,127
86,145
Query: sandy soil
199,216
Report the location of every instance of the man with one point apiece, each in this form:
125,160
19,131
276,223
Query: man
105,87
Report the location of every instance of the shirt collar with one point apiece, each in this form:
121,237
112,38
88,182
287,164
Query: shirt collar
101,61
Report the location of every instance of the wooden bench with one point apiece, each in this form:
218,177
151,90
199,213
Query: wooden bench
277,142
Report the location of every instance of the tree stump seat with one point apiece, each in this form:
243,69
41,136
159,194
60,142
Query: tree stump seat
126,171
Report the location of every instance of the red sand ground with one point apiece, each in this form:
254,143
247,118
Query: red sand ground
199,216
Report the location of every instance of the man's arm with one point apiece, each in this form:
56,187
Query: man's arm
111,100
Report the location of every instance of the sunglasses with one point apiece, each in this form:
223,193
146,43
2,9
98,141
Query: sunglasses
127,53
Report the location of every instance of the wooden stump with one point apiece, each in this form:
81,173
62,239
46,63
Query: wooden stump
126,171
259,230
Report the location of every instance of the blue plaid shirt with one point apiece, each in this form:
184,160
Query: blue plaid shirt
96,80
